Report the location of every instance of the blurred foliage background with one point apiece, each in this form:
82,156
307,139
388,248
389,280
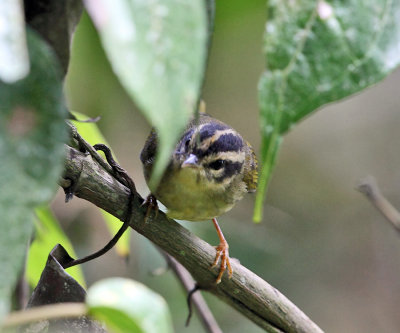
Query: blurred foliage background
320,243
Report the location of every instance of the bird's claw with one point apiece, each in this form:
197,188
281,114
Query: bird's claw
223,255
151,203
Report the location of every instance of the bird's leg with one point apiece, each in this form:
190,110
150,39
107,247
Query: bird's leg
151,203
222,253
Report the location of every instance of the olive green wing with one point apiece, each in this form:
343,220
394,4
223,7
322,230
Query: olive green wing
251,174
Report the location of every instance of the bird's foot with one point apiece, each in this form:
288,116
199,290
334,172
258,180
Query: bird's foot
152,206
223,255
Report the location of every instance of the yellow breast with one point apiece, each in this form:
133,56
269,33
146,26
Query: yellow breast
188,196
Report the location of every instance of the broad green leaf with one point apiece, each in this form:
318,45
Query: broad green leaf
117,321
48,234
157,49
319,52
32,133
14,61
129,306
91,133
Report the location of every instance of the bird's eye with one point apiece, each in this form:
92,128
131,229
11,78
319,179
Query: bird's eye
216,165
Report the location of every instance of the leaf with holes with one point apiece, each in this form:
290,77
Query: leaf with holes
318,52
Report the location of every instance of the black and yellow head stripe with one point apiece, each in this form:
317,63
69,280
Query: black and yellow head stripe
208,130
228,142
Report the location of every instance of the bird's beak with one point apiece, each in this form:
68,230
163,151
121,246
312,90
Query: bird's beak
191,161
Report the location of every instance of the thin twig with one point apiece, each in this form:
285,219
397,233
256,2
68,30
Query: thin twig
189,302
102,251
206,316
45,312
369,187
117,169
93,152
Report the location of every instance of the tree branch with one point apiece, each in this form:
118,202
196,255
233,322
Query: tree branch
245,291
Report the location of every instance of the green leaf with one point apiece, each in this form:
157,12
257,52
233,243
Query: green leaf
116,320
129,306
32,134
48,234
14,61
318,52
91,133
158,50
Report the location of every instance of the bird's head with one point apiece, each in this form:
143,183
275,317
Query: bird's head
212,152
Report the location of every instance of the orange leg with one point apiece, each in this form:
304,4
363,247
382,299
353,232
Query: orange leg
222,253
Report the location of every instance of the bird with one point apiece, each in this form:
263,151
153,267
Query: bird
211,168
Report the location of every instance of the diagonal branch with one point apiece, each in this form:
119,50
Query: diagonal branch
369,187
246,292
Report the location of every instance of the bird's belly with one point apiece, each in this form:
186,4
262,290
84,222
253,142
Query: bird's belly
189,199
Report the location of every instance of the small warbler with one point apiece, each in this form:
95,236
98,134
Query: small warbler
211,168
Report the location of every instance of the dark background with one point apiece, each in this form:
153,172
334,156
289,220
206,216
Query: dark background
320,243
